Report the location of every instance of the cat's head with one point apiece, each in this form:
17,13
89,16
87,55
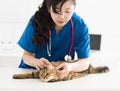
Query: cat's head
48,74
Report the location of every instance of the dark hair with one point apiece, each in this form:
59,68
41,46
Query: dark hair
42,20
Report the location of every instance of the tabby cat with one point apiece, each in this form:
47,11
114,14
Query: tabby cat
49,74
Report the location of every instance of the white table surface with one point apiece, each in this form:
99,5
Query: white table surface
95,82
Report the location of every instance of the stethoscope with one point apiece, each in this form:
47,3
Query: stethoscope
68,58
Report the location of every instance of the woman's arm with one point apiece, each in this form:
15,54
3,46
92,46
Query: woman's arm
65,68
80,65
29,59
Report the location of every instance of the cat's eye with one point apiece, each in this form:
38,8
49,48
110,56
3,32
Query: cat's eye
60,69
47,73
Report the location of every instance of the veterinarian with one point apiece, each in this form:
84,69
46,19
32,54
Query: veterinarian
54,33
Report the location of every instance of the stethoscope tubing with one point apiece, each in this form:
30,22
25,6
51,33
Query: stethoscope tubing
71,44
72,41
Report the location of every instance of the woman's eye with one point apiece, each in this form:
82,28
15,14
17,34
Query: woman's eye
68,12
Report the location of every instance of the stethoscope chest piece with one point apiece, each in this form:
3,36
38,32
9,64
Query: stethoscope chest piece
68,58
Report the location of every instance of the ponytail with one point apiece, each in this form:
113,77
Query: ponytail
42,22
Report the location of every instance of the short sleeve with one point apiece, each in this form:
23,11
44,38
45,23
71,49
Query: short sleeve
83,42
25,40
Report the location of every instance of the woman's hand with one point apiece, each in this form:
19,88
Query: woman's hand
64,69
41,63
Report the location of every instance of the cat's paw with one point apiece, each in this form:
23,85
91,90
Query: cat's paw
106,69
19,76
15,76
103,69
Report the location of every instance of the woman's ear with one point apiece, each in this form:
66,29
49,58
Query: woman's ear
48,11
48,8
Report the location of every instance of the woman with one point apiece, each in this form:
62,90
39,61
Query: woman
54,33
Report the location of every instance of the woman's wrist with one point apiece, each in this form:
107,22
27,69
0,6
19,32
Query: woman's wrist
69,67
34,62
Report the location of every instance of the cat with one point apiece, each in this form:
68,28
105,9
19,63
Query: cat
49,74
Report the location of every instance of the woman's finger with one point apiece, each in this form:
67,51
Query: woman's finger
46,62
38,68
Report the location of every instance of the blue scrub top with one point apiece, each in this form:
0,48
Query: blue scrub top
60,42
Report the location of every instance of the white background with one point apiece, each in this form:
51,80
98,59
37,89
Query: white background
101,16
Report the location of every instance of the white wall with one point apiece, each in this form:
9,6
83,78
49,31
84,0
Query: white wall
102,17
13,20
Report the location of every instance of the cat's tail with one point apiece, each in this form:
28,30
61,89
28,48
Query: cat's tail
25,75
99,69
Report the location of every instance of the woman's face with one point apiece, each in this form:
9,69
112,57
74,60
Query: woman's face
63,16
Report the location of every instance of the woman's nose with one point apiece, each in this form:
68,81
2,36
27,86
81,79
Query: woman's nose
62,15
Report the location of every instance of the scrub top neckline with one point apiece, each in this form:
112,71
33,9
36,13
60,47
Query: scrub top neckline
56,38
61,32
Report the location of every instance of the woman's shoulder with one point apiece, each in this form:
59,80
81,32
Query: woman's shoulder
29,29
30,22
80,26
77,18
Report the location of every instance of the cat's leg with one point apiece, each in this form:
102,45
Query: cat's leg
99,69
34,74
22,76
102,69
